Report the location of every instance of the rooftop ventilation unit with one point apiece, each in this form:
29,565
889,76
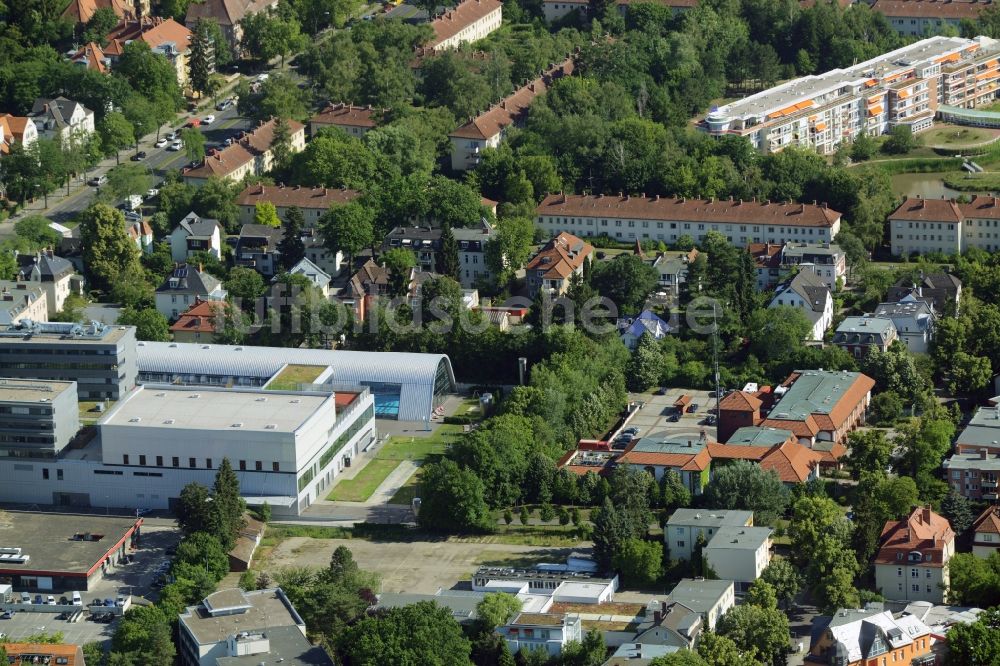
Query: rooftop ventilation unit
236,425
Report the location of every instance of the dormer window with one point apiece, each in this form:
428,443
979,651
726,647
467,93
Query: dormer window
915,557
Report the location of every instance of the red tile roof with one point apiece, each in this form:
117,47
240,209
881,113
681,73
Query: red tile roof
765,255
153,30
923,531
988,521
932,9
91,56
225,12
455,20
558,258
34,653
348,115
302,197
738,401
16,125
937,210
199,318
512,108
807,428
688,210
223,162
843,408
81,11
792,462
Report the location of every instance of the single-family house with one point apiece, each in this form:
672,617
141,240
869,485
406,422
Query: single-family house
16,130
633,328
164,36
355,120
914,321
739,553
986,531
709,598
54,274
864,637
63,119
546,631
22,301
195,234
685,526
185,286
559,260
857,334
227,13
942,290
314,202
141,233
913,554
672,269
199,323
316,275
257,248
91,56
807,292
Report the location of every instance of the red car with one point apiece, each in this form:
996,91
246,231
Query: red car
194,122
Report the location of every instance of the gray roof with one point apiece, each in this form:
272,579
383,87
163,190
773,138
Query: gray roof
808,286
810,249
57,109
710,518
461,603
866,326
962,461
201,227
270,235
309,269
740,538
287,644
50,267
186,279
481,233
916,315
700,595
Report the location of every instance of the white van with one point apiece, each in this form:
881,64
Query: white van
77,600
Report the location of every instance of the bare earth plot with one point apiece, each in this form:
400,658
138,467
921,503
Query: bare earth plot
417,566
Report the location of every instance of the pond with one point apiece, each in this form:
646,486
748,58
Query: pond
927,185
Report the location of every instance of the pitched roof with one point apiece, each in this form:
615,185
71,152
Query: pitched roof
806,427
154,30
369,274
306,267
201,227
273,235
738,401
854,632
199,318
988,521
457,19
58,109
809,287
791,461
91,56
302,197
512,108
37,653
348,115
223,162
560,256
765,255
933,9
81,11
688,210
923,530
937,210
50,266
225,12
186,279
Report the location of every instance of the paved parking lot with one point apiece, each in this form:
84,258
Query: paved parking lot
138,577
84,631
654,417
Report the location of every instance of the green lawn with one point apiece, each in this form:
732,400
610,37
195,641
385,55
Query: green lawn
361,487
293,376
396,450
954,136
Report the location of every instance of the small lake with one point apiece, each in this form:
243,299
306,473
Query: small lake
927,185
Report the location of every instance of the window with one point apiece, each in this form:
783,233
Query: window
125,459
915,588
914,573
680,544
192,463
159,461
45,472
142,460
59,475
208,463
275,467
259,466
899,571
243,465
175,461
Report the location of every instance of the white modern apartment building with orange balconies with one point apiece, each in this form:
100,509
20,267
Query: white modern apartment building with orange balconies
903,87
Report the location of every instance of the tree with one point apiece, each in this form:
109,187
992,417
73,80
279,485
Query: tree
108,251
611,531
452,499
245,286
36,230
149,324
681,657
763,594
719,650
639,562
901,140
496,608
400,261
421,633
347,228
204,550
152,76
820,535
777,332
510,247
228,506
958,510
863,148
291,248
447,257
193,514
266,213
870,451
101,22
784,578
646,365
885,408
975,643
194,144
116,133
626,280
143,636
974,581
764,630
969,373
269,34
745,485
201,56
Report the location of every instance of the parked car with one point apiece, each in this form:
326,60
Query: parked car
674,418
194,122
228,142
171,550
120,601
693,408
224,104
7,615
133,216
631,430
97,181
172,136
107,618
77,599
141,155
38,599
63,601
50,600
162,142
618,445
263,77
208,120
152,192
176,146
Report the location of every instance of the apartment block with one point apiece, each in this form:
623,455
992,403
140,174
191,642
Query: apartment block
739,553
250,154
974,475
685,526
629,218
314,202
920,226
912,560
355,120
915,18
468,21
37,418
100,359
904,87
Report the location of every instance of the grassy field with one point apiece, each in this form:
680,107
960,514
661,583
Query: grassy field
953,136
88,412
293,376
973,182
393,452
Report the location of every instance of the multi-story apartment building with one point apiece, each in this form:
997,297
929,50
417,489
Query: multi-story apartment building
739,554
920,226
542,631
22,301
555,264
917,18
355,120
257,248
53,274
468,21
37,418
974,475
62,119
424,242
629,218
912,560
904,87
982,433
251,153
314,202
857,334
685,526
472,242
827,261
166,37
100,359
808,293
488,129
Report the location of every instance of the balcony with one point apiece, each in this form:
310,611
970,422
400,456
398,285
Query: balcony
989,496
988,484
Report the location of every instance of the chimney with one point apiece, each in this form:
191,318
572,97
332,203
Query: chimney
983,454
926,514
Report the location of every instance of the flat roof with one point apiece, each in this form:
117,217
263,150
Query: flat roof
740,538
864,325
700,595
47,539
287,645
972,461
33,390
265,610
710,518
670,442
216,409
539,619
461,603
24,332
758,436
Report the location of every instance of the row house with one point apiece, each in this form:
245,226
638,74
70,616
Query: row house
488,129
904,87
314,202
468,21
250,154
916,18
921,226
629,218
913,554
